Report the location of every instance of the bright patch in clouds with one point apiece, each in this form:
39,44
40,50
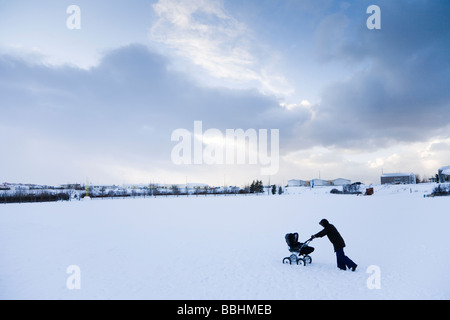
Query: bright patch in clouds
205,34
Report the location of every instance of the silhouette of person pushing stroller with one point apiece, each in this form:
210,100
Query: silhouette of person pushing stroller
343,262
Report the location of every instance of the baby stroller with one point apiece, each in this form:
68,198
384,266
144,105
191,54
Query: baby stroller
300,251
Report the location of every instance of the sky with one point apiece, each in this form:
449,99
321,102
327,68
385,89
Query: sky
101,102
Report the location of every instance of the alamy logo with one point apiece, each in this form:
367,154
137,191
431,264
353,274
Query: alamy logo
73,281
374,21
374,280
73,22
235,147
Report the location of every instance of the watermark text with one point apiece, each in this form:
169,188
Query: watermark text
235,147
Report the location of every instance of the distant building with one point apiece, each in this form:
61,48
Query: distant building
398,178
341,182
444,174
319,182
297,183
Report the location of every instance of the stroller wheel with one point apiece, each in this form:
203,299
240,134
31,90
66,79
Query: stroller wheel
308,259
301,261
286,261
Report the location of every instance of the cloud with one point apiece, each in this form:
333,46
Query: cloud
119,114
329,35
398,90
205,34
115,119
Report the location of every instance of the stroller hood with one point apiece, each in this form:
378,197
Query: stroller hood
296,246
291,239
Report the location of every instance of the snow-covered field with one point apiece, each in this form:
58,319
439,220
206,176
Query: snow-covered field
227,247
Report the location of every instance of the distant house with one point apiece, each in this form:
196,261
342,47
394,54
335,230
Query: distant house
444,174
319,182
341,182
398,178
297,183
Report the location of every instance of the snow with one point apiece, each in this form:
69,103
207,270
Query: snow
227,247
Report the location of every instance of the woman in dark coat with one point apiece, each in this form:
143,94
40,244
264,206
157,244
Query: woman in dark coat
338,243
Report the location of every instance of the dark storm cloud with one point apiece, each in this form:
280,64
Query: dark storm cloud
125,108
401,92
